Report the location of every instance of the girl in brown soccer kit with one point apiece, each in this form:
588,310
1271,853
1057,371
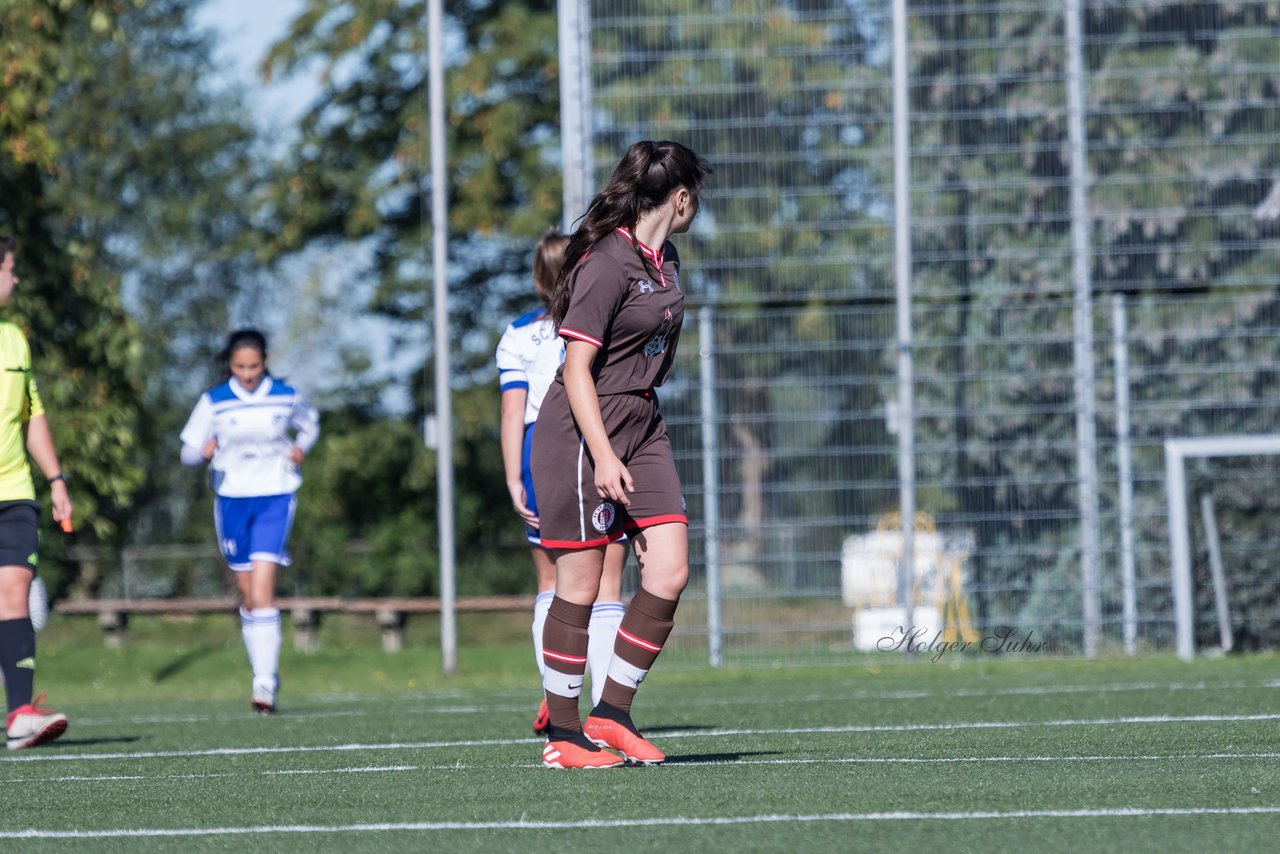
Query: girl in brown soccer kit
602,463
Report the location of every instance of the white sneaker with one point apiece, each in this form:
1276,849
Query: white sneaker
29,725
264,699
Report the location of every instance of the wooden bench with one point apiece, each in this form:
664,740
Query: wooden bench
304,613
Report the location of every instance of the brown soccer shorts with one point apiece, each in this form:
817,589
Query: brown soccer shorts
571,511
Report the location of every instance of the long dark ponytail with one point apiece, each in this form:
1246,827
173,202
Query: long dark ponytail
646,177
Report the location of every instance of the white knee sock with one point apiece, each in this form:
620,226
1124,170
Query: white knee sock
601,633
260,629
540,606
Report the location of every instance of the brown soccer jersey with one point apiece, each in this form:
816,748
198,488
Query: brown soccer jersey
618,306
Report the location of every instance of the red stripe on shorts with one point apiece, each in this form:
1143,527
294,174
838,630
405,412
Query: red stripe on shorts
637,524
580,544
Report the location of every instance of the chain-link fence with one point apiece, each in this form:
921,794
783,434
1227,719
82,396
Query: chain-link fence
793,257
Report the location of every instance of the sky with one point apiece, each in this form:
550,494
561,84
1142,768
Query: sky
247,29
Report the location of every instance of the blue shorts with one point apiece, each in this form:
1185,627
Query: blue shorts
255,528
533,535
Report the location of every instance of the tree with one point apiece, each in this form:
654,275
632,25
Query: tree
1174,90
358,174
777,102
84,344
357,178
164,185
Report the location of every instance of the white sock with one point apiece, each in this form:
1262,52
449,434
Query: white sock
540,607
601,634
260,629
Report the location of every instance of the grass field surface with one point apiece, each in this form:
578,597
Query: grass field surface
378,752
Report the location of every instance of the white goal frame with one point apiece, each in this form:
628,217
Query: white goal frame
1176,453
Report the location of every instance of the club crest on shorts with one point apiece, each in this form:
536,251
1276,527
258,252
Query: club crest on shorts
602,517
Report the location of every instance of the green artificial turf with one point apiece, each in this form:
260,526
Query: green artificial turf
381,752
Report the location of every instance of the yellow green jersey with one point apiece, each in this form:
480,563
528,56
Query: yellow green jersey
19,403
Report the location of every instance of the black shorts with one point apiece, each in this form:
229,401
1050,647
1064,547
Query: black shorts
20,533
572,513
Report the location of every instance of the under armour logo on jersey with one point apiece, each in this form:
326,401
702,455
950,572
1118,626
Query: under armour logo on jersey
644,286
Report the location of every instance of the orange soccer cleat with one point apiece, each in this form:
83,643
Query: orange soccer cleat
623,737
577,752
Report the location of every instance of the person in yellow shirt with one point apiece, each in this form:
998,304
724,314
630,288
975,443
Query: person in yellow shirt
23,429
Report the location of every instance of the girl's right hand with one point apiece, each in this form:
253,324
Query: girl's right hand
613,481
210,448
516,489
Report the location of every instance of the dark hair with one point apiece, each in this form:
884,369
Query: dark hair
8,243
548,260
646,177
239,340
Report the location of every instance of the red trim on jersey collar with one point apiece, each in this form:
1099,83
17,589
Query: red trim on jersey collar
654,255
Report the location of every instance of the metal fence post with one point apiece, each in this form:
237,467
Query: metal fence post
710,483
1085,391
1124,472
902,292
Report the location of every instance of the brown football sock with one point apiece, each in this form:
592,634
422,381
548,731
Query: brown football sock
564,651
644,630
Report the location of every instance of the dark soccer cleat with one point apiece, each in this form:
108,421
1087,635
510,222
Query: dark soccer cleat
622,736
542,720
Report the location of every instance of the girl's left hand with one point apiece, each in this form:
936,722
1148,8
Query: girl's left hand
296,455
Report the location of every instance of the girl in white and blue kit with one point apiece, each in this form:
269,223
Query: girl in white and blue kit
254,431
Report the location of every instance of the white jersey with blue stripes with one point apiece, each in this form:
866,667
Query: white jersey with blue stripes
255,432
529,354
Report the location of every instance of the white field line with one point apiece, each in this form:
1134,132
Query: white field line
406,706
284,772
956,760
229,717
54,755
673,821
849,760
464,698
